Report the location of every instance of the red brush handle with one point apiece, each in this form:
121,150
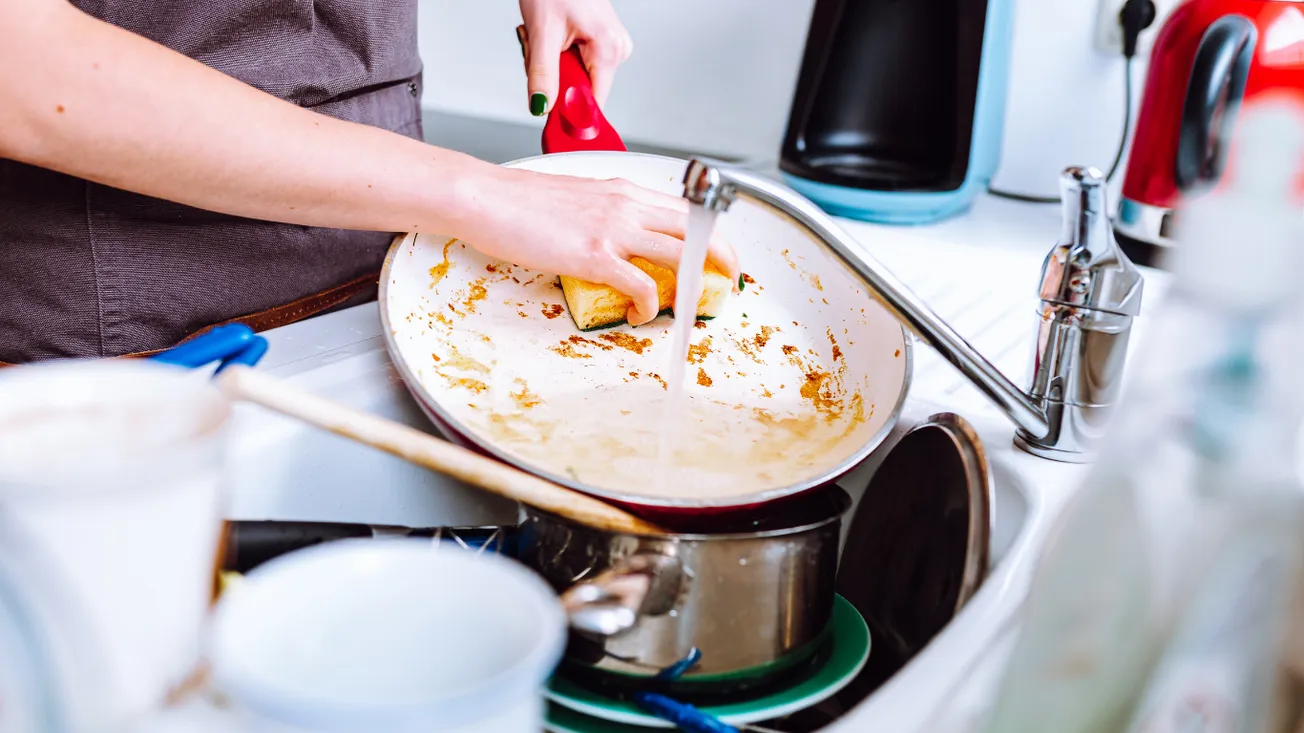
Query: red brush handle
576,122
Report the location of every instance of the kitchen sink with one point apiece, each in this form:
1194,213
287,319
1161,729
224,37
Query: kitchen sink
284,470
986,290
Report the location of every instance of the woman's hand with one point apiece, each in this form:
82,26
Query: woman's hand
586,228
552,26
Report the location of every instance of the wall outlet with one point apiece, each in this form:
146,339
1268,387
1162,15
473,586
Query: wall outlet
1109,32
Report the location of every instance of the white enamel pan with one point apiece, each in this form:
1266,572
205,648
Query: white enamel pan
801,377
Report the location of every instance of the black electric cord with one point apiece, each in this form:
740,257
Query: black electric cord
1136,16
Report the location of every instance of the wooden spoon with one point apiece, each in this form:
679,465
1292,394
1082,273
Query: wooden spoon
241,382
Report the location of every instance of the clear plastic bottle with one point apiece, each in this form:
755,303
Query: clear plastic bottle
1201,457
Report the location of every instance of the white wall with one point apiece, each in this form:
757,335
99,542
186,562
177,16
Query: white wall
716,76
713,75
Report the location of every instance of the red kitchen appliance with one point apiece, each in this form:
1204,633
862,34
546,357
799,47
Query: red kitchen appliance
1210,57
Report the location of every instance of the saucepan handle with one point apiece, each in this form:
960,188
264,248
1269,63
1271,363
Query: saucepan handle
611,603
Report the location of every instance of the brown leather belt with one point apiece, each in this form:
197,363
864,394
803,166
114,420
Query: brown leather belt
353,292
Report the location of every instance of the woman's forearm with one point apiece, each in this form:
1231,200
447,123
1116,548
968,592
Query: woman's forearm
89,99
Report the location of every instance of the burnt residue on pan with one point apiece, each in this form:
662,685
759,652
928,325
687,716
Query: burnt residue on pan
627,341
580,340
753,345
702,378
837,350
568,350
461,371
438,272
478,292
698,352
570,347
523,397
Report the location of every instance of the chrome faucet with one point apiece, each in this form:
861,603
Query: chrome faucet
1090,292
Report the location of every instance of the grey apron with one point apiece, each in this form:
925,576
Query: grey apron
89,270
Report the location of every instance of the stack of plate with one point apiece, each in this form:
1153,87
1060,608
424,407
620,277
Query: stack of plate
576,709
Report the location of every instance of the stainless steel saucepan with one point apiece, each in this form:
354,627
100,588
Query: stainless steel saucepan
753,600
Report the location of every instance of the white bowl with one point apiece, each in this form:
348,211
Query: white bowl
394,635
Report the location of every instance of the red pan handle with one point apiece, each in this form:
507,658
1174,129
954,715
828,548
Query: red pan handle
576,122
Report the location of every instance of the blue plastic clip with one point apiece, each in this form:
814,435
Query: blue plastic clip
678,669
231,344
684,716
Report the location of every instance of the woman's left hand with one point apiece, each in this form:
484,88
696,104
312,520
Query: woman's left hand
552,26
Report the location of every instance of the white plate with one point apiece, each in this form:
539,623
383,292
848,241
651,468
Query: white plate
851,648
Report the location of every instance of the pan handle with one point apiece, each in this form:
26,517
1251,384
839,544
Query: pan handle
612,602
576,122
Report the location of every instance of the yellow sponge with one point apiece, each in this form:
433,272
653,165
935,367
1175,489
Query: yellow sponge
595,306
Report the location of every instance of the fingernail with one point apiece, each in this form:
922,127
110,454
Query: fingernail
521,40
538,103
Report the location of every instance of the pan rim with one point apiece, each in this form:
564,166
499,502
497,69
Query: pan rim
836,514
444,421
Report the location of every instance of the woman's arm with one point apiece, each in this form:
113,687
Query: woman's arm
87,98
92,100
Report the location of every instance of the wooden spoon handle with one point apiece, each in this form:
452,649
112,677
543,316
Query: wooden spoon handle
243,383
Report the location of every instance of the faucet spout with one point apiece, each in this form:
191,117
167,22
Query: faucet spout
1040,418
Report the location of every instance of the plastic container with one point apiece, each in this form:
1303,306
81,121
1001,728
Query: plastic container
110,520
390,635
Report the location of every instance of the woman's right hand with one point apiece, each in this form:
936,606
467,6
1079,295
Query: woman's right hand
585,228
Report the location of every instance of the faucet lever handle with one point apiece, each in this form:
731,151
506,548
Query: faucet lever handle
1086,268
1090,293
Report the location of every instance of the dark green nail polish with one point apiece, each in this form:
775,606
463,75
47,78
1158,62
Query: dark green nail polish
538,103
741,285
521,41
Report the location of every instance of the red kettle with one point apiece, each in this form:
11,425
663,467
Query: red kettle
1209,58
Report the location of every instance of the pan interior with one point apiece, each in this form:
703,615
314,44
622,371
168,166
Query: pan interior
799,378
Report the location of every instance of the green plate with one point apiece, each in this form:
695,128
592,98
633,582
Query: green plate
577,709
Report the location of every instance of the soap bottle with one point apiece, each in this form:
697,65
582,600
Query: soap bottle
1200,460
